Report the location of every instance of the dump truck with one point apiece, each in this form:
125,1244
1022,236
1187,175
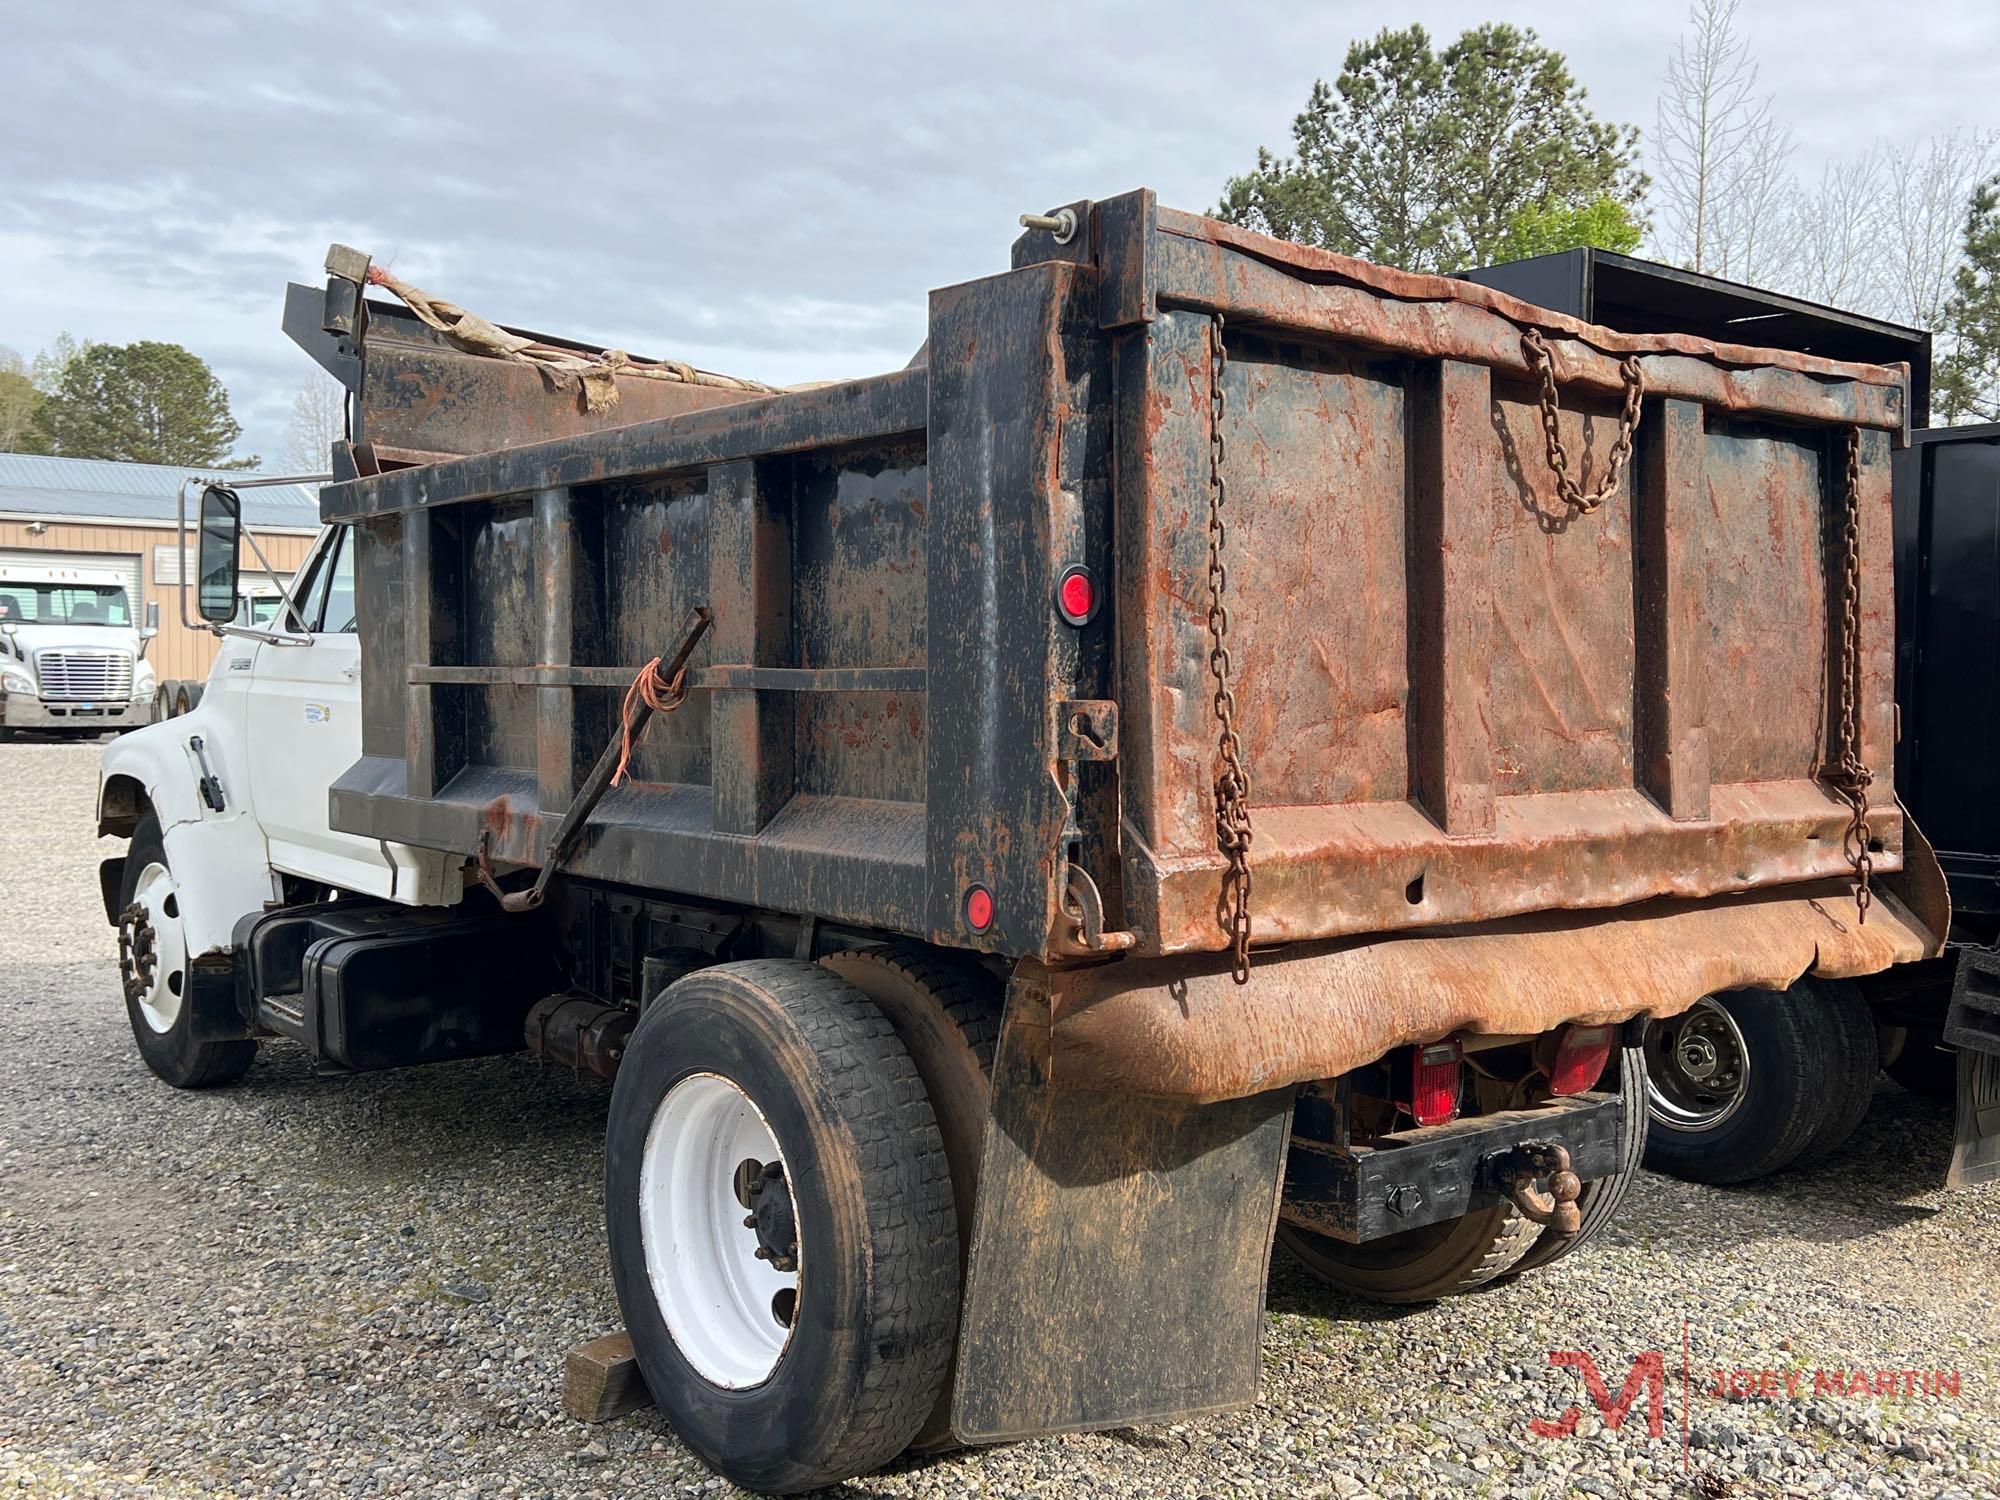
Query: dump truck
1230,746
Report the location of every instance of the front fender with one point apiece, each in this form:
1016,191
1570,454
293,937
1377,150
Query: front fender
145,771
219,859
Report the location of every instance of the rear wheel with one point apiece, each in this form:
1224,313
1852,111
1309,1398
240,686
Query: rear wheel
1742,1084
946,1014
182,699
1418,1265
1857,1062
780,1222
153,966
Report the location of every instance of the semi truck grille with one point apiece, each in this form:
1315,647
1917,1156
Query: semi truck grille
84,676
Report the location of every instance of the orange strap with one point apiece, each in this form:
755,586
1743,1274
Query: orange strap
661,696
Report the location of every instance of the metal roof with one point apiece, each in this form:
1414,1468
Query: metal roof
104,489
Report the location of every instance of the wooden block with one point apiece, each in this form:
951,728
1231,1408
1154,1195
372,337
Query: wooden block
601,1380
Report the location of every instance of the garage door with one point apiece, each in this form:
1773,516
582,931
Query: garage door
124,564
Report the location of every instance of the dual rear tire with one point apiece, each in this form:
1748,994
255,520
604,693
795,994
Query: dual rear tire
1750,1082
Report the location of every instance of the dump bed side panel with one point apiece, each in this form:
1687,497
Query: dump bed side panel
870,728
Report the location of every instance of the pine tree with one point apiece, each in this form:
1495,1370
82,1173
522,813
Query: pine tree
1968,378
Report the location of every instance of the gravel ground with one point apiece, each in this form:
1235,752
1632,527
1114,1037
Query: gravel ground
365,1286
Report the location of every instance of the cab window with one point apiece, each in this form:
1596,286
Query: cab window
311,586
64,604
336,615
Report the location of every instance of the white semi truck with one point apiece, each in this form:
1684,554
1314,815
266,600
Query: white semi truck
72,652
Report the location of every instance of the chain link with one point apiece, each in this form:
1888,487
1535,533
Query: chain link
1848,775
1232,787
1543,363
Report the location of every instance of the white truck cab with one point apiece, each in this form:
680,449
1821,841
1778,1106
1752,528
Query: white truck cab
227,805
72,652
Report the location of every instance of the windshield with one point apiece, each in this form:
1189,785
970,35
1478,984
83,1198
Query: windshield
63,603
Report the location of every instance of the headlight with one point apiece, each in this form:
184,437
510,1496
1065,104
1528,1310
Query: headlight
14,680
144,681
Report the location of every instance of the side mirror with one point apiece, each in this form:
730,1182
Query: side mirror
152,619
216,554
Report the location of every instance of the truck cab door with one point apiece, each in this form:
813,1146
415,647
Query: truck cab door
305,729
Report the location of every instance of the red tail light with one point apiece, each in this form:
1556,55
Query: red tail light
1434,1082
1581,1054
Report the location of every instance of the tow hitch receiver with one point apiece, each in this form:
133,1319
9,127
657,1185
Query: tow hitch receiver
1438,1172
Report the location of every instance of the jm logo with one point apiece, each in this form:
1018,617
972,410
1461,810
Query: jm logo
1648,1373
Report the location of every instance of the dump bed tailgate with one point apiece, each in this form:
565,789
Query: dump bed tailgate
1457,696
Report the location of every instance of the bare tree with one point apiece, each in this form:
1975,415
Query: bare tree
1838,231
1928,187
319,417
1720,155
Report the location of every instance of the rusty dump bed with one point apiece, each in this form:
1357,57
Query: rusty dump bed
1458,698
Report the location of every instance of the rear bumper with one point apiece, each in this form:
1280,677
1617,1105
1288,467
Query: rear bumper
26,711
1429,1175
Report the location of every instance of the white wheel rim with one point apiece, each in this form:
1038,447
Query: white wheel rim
161,1002
719,1301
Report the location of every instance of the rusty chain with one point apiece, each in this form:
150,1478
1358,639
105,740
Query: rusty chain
1848,775
1542,362
1232,787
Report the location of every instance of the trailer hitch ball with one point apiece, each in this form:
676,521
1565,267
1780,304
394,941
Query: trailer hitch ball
1518,1169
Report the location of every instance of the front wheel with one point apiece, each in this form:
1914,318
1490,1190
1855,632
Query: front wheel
153,967
780,1219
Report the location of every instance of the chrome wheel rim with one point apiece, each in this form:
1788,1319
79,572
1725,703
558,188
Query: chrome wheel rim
728,1309
1697,1068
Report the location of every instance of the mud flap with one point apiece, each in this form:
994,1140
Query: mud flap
1119,1250
1973,1026
1975,1156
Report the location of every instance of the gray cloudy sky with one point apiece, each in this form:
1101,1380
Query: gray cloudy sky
768,190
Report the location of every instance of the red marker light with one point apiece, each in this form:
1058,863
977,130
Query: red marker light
1434,1082
1580,1058
979,908
1076,596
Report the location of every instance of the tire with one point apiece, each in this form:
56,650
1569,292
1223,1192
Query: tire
1601,1196
1857,1063
1418,1265
1926,1066
1715,1130
793,1051
194,692
946,1015
182,701
159,1015
163,703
